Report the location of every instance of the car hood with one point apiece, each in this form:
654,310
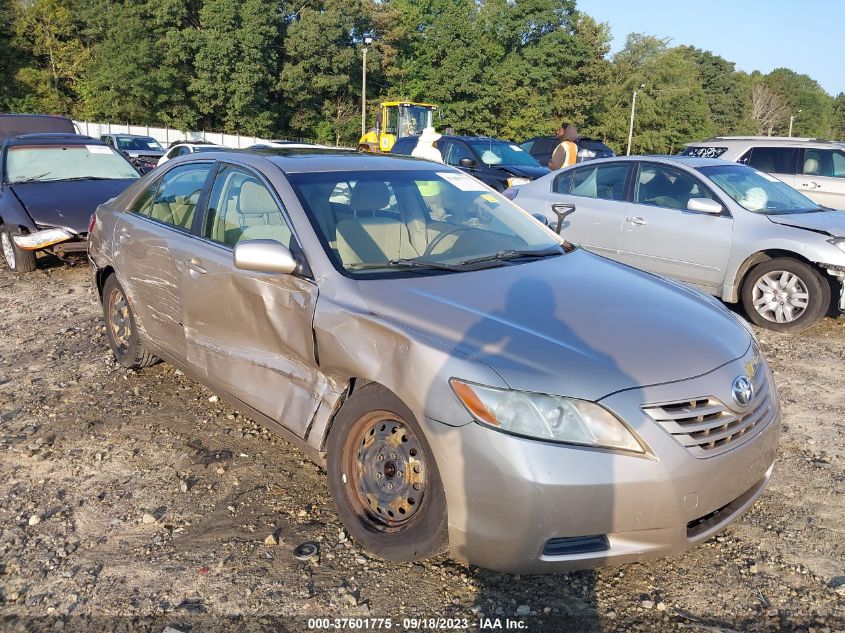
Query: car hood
67,204
830,222
524,171
576,325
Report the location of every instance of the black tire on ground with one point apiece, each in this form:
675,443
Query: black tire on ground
783,271
121,331
375,424
17,259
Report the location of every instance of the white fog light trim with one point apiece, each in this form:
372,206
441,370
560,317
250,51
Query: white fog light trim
42,239
545,417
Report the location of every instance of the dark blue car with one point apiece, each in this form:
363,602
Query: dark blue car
497,163
51,185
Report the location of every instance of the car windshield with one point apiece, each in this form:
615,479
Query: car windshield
758,192
502,153
413,120
46,163
380,222
138,143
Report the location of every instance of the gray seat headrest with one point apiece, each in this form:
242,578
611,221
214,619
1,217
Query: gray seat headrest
369,196
255,200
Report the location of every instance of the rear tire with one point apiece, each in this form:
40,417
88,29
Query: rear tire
121,330
785,295
17,259
383,478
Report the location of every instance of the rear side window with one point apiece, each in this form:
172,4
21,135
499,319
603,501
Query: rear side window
824,162
772,160
404,146
604,181
144,203
176,199
709,151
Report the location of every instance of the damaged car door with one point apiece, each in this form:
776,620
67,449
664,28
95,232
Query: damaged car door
249,333
151,242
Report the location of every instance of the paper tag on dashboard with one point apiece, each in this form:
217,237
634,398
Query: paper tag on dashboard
462,182
98,149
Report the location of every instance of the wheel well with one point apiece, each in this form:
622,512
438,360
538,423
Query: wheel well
352,385
102,275
764,256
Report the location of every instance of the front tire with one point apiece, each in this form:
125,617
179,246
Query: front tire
17,259
785,295
121,330
383,478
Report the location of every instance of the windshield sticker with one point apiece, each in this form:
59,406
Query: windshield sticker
98,149
152,145
489,198
768,177
462,182
517,148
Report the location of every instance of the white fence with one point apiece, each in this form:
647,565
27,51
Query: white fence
166,136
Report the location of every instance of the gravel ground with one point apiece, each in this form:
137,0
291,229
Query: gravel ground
136,501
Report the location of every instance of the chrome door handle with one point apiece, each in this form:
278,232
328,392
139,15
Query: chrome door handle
811,185
636,220
195,265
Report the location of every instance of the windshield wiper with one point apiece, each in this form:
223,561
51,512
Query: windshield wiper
84,178
405,263
513,254
31,178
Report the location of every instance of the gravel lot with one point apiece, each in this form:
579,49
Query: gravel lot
135,500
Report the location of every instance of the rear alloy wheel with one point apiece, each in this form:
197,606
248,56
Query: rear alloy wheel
121,331
383,478
17,259
785,295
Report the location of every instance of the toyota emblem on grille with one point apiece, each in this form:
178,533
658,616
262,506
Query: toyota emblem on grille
743,390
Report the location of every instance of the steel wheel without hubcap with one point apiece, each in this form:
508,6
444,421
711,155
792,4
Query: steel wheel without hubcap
120,322
780,296
8,250
388,472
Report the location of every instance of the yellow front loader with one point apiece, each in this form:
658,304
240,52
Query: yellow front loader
397,119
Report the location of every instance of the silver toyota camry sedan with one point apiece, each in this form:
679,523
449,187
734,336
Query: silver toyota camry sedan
471,381
732,231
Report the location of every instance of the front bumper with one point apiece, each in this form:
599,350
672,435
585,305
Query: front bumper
507,497
58,238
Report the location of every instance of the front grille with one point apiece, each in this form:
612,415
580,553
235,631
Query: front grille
709,427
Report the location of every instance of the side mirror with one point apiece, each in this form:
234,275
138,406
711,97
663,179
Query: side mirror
542,219
466,162
264,256
704,205
562,210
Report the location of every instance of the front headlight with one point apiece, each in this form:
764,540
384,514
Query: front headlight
545,417
514,181
838,242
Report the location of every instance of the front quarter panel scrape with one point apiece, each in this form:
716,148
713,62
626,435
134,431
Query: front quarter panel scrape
354,343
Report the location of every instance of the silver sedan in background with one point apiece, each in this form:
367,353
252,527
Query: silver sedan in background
470,381
730,230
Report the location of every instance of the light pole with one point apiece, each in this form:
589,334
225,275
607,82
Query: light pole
791,120
367,42
631,124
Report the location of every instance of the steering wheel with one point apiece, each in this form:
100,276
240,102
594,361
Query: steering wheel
433,243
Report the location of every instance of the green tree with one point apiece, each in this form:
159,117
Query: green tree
838,131
802,92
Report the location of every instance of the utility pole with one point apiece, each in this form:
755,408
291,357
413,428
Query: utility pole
791,120
631,124
367,42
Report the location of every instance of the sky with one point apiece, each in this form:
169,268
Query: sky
807,36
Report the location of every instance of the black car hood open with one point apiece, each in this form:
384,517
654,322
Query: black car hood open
525,171
67,204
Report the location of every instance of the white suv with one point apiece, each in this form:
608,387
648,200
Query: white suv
814,167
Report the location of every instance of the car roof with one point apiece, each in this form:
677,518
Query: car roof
55,138
306,159
688,161
764,140
129,135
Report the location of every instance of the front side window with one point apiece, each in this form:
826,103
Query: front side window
605,181
757,191
772,160
455,152
47,163
241,207
824,162
661,186
420,220
178,194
